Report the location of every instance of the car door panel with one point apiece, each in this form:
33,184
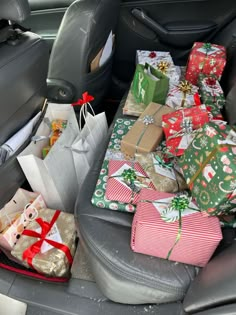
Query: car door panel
167,25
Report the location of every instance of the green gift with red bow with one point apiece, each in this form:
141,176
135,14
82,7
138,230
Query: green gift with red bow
205,58
209,167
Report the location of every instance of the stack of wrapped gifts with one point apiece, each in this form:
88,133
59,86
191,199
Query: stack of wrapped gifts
174,166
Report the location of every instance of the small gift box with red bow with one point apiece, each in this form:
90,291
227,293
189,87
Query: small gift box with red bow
209,167
161,61
125,181
171,227
179,127
183,95
205,58
48,243
211,94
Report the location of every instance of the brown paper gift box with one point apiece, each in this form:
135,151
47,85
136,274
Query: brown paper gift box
146,133
52,262
162,183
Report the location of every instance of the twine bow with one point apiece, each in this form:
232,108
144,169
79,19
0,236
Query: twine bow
186,128
163,66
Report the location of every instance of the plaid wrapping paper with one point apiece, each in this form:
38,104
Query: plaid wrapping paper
209,167
173,123
154,235
118,188
99,196
205,58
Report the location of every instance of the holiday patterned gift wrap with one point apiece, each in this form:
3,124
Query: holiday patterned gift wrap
209,167
125,180
149,85
160,60
121,128
171,227
99,198
146,133
10,236
163,171
133,108
182,95
212,94
48,243
205,58
179,127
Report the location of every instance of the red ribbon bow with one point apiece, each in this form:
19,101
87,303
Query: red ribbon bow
152,54
35,248
86,98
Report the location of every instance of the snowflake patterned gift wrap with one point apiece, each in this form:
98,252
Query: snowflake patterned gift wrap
48,243
211,94
205,58
125,181
179,127
182,95
146,133
160,60
99,199
163,171
171,227
209,167
121,128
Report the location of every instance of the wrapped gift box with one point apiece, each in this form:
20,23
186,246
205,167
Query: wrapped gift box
205,58
146,133
163,172
209,167
121,128
158,230
212,94
160,60
182,95
48,243
179,127
125,180
149,85
133,108
99,198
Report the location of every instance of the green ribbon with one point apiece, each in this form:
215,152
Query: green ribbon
162,162
207,47
129,176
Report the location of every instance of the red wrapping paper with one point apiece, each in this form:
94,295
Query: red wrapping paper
117,190
172,123
199,61
151,235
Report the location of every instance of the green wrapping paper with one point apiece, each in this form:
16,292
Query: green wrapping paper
209,167
211,94
149,85
99,199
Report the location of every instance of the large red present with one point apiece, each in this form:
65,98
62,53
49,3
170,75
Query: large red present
205,58
171,227
125,181
179,127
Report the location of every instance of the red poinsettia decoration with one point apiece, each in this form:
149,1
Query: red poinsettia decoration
211,82
152,54
86,98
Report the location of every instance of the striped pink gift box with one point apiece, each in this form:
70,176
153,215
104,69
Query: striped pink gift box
152,235
117,189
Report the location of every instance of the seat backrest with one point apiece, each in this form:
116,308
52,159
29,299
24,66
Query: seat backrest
82,34
23,70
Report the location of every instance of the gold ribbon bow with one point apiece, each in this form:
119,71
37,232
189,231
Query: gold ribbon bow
163,66
186,88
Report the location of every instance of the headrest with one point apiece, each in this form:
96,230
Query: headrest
14,10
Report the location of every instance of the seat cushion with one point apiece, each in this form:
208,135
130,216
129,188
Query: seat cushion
122,275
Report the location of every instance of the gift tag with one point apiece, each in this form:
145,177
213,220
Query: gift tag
162,170
185,142
53,235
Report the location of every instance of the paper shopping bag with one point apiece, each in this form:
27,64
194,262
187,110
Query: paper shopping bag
54,176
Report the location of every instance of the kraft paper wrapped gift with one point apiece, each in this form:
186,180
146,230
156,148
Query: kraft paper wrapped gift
48,243
171,227
99,196
205,58
125,180
163,171
146,133
209,167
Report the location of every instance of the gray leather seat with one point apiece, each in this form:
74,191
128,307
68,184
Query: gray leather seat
82,34
23,71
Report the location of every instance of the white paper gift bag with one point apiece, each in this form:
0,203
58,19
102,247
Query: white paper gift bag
55,176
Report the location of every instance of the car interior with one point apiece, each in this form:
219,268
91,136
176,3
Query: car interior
47,48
